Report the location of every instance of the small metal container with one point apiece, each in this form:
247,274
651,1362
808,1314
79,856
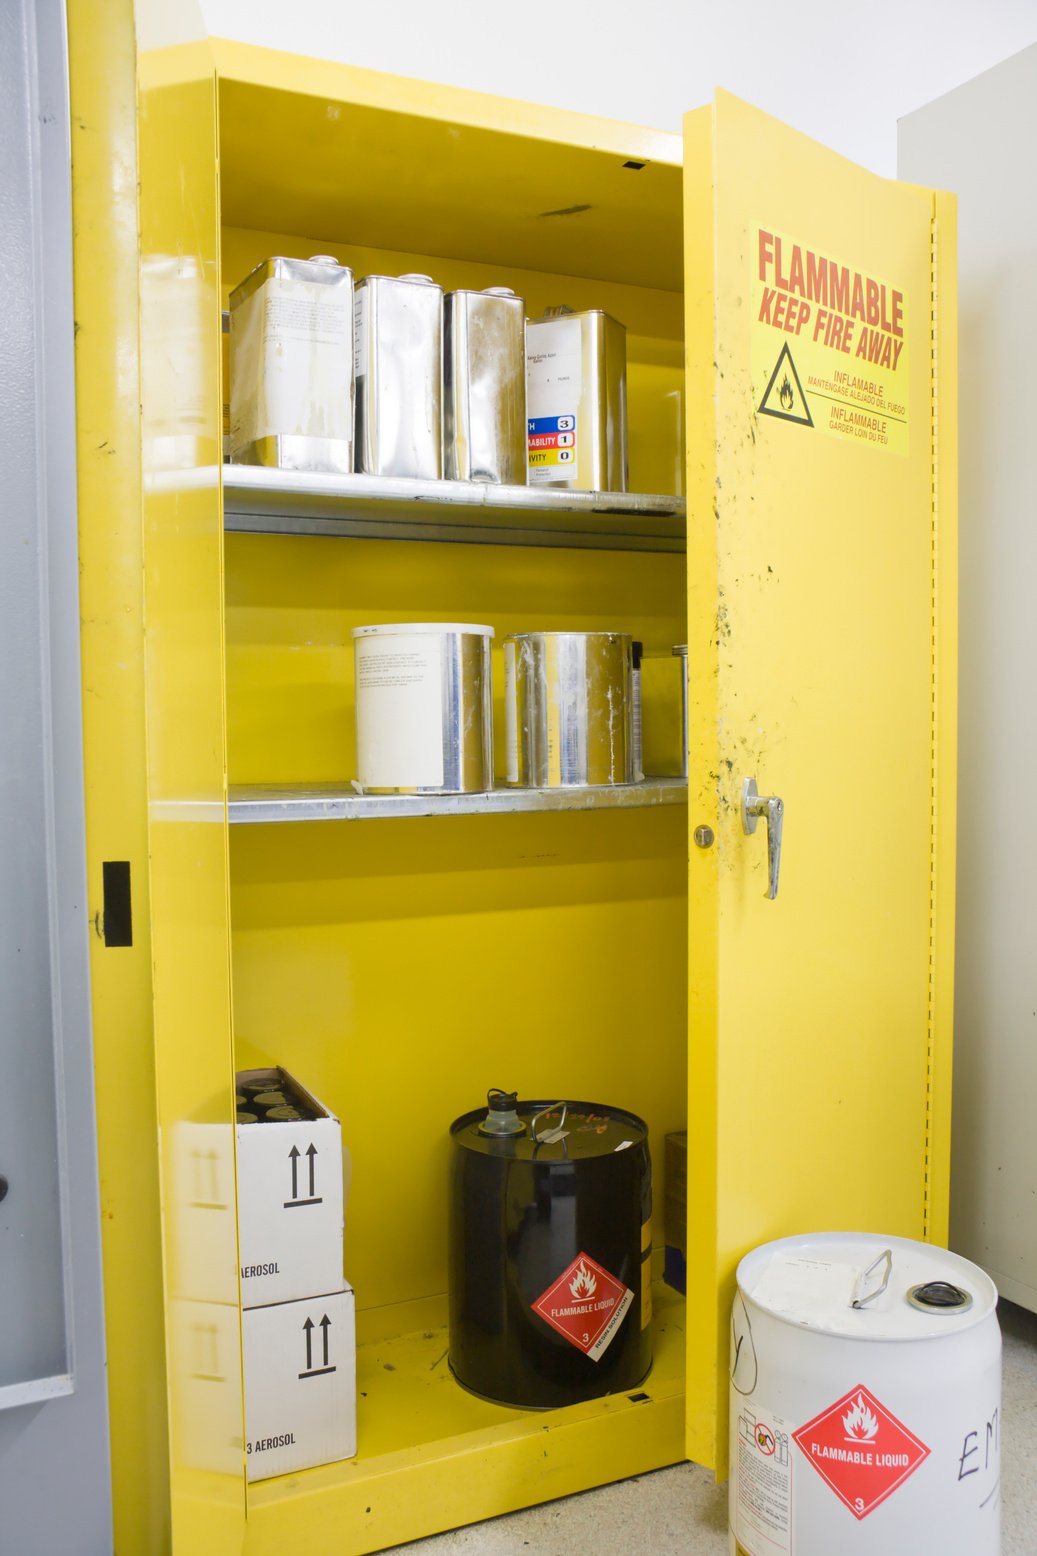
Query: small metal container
291,366
576,401
568,709
398,361
485,385
424,708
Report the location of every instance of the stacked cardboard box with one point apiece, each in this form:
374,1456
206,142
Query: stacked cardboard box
298,1327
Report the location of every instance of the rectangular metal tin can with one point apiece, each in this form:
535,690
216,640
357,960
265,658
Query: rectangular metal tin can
485,386
398,362
291,366
576,401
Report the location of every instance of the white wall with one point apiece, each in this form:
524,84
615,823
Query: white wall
840,72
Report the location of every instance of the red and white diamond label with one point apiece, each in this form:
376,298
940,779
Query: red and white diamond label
587,1305
861,1449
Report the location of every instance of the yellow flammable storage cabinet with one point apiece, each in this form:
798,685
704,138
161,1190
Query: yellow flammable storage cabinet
805,311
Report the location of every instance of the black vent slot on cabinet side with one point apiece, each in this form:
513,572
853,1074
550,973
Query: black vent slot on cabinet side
118,911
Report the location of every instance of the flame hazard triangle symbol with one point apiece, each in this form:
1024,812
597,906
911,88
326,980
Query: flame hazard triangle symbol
783,396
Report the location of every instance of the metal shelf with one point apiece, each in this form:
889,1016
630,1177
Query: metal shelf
286,502
332,802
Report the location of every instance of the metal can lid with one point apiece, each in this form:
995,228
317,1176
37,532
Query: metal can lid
415,275
859,1286
523,637
498,291
323,259
555,1131
940,1296
438,627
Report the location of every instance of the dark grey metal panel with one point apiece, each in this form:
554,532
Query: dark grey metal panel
54,1473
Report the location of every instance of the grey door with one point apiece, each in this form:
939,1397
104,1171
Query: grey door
55,1497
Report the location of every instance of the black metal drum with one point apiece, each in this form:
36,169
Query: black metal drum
550,1251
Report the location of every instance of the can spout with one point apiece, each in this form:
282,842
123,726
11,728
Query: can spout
501,1115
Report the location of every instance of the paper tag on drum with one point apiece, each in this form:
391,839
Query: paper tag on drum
587,1305
399,711
761,1514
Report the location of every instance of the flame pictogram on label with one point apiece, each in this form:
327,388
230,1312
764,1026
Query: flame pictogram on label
585,1304
783,396
861,1450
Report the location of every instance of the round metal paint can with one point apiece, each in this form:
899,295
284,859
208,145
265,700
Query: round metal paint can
550,1252
424,708
865,1400
567,701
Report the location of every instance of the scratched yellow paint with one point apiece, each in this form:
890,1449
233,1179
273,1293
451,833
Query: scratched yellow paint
821,659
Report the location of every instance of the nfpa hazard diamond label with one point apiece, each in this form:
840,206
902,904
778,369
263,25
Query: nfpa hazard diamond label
587,1305
861,1450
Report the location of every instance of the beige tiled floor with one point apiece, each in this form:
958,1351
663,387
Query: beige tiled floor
679,1512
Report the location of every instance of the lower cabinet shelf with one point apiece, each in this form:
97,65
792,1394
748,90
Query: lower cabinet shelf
433,1457
335,802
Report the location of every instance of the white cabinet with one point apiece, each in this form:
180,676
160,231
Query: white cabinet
981,140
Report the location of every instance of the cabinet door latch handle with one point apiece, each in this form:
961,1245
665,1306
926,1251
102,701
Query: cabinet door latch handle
755,805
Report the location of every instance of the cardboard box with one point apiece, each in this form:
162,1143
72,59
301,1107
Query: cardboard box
290,1198
300,1384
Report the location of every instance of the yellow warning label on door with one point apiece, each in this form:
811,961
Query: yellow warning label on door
829,344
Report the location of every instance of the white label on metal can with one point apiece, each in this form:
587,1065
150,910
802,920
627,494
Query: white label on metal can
290,374
761,1510
554,380
360,328
511,731
399,711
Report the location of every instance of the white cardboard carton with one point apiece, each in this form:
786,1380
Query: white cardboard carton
300,1384
290,1199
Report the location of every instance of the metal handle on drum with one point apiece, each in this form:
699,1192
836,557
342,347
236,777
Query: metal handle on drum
551,1137
755,805
858,1300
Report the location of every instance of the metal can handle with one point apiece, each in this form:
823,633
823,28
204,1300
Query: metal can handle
859,1300
545,1113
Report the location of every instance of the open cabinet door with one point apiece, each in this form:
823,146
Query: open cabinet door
821,566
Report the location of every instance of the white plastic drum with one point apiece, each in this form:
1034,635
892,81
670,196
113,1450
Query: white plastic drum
424,708
865,1401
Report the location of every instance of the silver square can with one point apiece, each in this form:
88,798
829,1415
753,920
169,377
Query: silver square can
398,364
485,386
291,366
576,401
